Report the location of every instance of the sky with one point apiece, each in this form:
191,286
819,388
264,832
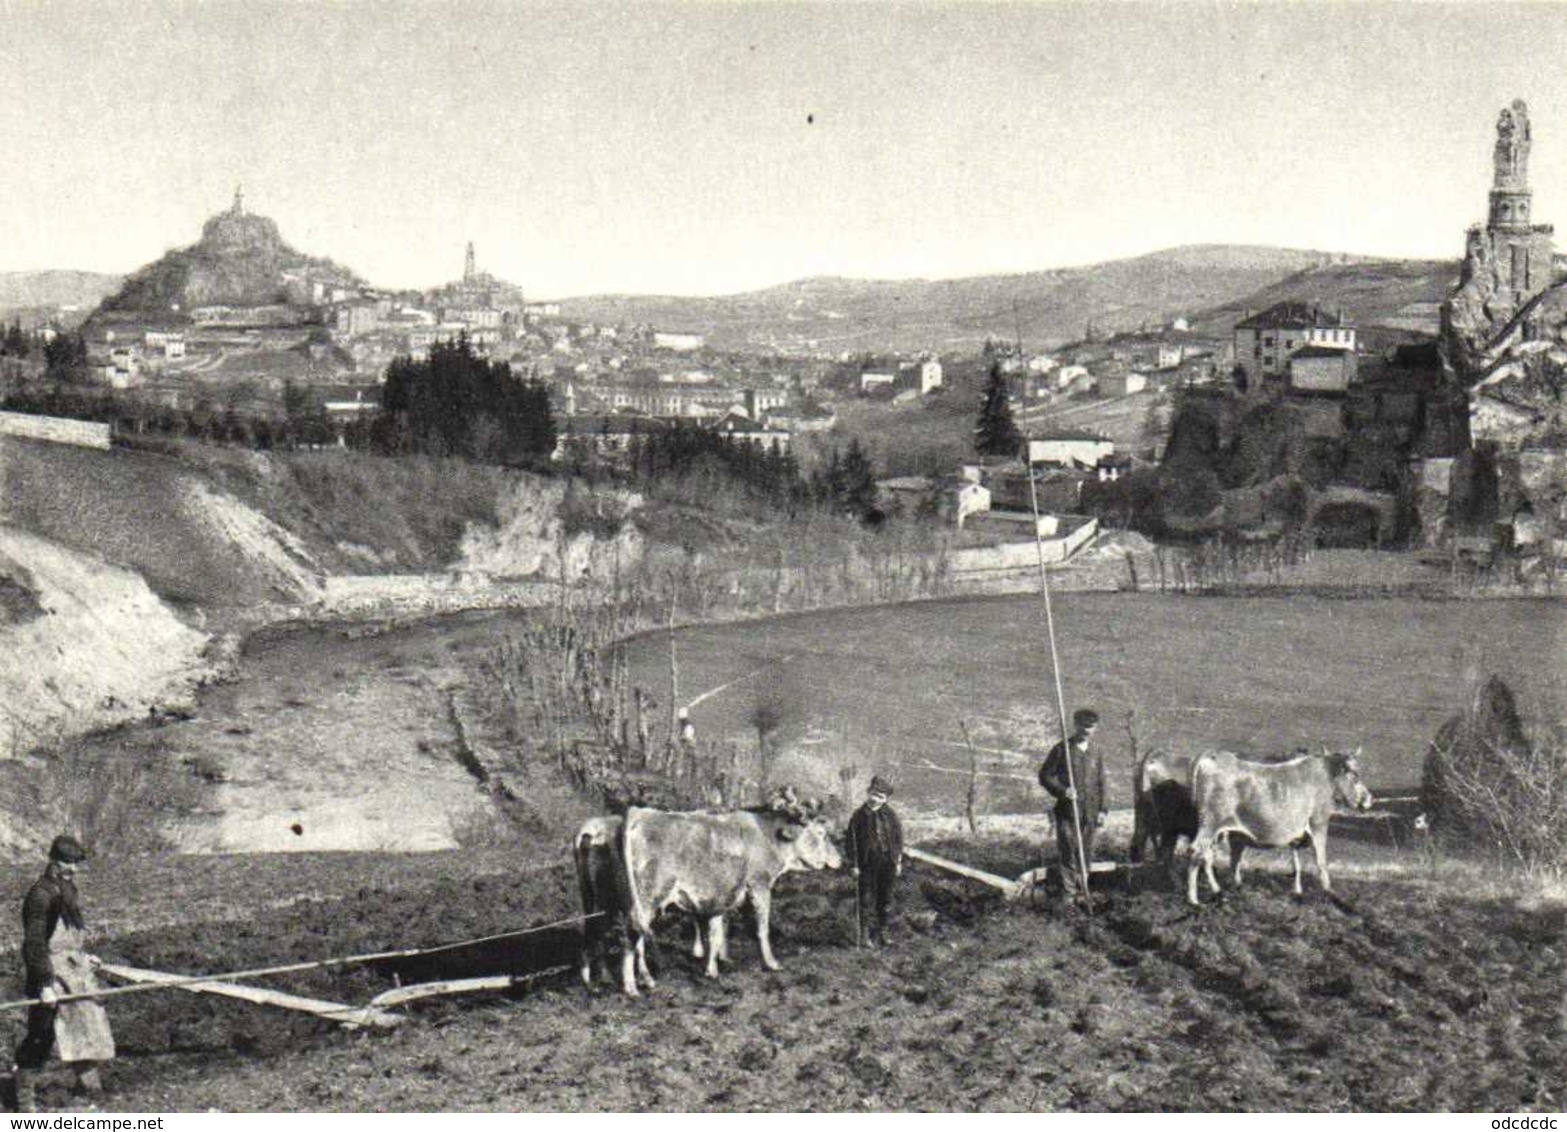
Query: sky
704,148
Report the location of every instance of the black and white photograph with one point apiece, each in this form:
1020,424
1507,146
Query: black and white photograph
729,556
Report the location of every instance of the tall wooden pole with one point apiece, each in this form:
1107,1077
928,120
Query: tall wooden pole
674,685
1055,670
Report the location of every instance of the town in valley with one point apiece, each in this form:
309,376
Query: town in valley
851,558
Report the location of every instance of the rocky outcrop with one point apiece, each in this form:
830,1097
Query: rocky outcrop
1504,329
544,534
1504,353
241,260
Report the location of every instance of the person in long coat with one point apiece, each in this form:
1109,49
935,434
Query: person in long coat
53,935
1086,786
874,845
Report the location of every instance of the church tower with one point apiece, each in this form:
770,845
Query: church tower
468,270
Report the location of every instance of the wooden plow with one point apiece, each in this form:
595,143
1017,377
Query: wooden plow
1010,889
375,1014
352,1017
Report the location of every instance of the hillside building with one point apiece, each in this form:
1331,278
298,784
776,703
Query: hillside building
737,427
1265,342
1122,384
1321,369
1066,449
757,403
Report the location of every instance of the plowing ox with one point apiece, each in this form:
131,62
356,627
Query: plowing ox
1162,812
706,864
1269,806
601,879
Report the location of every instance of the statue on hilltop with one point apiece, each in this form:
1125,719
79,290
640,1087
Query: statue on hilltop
1512,144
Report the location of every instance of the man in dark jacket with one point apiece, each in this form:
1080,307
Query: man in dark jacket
875,851
1088,779
52,933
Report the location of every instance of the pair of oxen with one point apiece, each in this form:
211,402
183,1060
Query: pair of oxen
707,864
1217,795
703,863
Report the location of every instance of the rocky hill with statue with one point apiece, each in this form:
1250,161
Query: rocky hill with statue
1504,330
241,264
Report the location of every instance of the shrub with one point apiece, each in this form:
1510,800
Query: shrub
127,802
1486,782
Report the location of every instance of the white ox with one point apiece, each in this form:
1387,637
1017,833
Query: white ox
606,902
1271,806
709,864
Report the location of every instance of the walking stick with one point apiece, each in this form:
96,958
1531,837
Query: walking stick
1055,669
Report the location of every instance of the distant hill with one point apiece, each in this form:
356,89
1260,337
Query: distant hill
1048,307
19,289
1398,295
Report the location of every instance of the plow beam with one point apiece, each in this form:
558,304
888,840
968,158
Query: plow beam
351,1016
1010,889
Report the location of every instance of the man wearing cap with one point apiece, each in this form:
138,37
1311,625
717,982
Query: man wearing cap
874,847
52,936
1088,778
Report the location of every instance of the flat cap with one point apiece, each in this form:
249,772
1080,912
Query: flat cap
67,850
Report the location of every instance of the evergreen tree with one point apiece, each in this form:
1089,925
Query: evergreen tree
65,357
996,433
857,492
459,403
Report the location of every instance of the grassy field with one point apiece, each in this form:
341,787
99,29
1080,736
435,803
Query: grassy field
888,688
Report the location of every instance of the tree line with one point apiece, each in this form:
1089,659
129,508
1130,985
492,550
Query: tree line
456,402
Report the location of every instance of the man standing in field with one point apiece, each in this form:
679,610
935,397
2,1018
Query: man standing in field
52,936
1088,778
874,849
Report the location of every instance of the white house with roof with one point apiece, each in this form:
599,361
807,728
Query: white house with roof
736,426
1084,449
1265,342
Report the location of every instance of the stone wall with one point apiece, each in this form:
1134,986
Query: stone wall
971,563
58,430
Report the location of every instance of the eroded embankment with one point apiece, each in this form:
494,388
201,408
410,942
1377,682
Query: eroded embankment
102,646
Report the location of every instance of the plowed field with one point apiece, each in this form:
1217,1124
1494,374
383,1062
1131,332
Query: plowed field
1389,995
